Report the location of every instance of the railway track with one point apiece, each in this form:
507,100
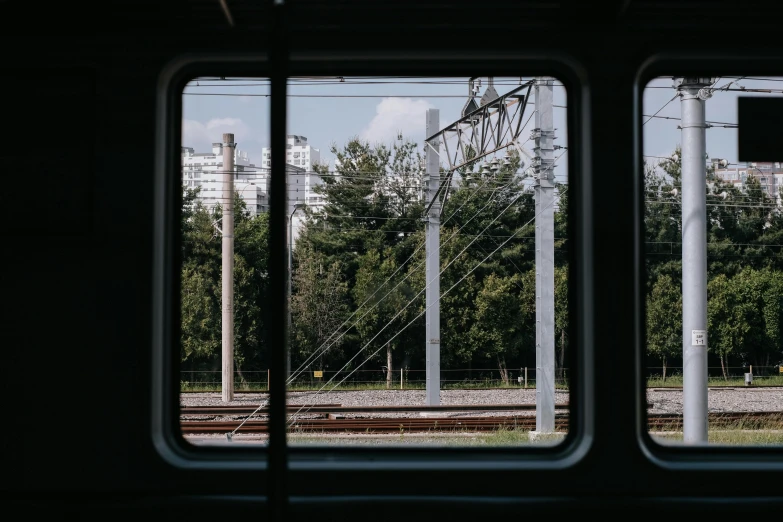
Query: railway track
659,422
339,409
532,387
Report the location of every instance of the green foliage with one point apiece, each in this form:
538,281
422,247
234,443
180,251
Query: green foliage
319,309
201,288
359,272
372,228
664,320
369,229
497,329
744,229
200,314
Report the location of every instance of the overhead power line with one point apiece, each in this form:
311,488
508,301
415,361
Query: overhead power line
399,331
678,119
257,95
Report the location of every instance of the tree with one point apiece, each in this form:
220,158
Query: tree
487,229
663,217
773,317
726,318
370,201
664,320
201,305
561,315
200,315
497,329
372,226
562,243
372,205
382,302
319,310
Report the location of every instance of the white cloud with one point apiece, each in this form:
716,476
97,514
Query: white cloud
200,136
394,116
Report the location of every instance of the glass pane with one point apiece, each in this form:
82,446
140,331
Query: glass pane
415,277
224,373
714,294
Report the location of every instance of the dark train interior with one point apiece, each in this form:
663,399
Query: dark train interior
92,129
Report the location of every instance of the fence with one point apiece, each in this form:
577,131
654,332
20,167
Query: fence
760,374
404,378
409,378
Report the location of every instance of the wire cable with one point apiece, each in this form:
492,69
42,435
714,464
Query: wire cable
292,418
321,350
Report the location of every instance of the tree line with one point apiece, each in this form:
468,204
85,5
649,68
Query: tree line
358,277
744,262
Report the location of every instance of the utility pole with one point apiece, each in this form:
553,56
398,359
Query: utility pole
482,131
693,93
227,273
543,165
296,207
432,263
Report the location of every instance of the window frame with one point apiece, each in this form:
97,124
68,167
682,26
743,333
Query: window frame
681,457
168,439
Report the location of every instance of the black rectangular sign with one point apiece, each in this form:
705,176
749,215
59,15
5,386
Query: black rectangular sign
760,133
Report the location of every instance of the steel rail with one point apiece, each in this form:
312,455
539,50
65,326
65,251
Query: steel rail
767,419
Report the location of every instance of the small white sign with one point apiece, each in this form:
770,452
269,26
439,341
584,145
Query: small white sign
698,337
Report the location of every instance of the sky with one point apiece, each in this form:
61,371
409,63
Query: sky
332,111
661,136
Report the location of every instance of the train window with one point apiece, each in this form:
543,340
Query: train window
713,239
429,302
224,285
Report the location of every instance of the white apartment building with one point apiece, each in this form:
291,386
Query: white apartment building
204,170
298,153
301,182
769,174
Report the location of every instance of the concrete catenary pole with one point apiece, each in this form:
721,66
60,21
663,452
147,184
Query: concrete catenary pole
289,292
295,207
227,273
693,94
543,164
432,264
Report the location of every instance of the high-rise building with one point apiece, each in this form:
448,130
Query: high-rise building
769,175
302,182
205,170
298,153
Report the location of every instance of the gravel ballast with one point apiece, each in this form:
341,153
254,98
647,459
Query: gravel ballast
662,400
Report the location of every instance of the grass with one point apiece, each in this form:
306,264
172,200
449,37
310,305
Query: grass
675,381
514,437
457,437
730,437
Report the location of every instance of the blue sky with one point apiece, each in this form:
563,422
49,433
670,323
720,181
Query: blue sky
661,136
330,111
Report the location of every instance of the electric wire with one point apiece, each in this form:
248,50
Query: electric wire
315,353
399,331
322,350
